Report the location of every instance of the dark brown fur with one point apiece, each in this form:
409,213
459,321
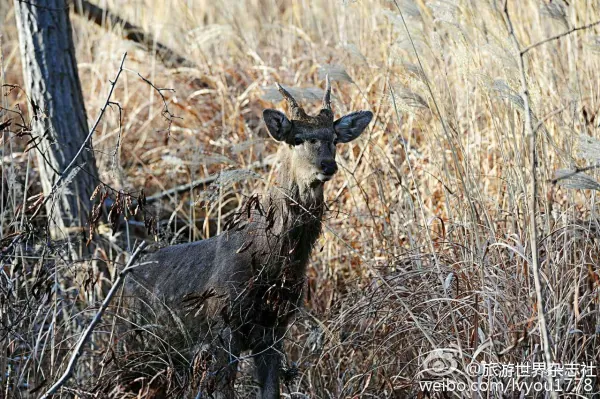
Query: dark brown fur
238,291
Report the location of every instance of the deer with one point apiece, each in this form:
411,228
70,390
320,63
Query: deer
239,291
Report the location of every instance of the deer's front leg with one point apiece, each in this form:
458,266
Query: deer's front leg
224,369
267,360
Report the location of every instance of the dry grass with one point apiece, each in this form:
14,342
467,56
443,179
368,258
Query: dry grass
426,244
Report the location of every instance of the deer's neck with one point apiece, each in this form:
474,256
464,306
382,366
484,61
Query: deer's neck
306,196
299,210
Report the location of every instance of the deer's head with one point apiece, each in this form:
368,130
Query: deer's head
312,139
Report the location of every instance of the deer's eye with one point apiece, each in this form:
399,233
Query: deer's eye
313,141
298,141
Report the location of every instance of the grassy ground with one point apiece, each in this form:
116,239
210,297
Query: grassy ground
427,242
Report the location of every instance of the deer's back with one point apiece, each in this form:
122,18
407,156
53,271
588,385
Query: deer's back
172,273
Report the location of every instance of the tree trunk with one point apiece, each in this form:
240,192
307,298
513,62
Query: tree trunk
57,110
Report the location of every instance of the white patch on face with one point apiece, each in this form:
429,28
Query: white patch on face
323,177
303,162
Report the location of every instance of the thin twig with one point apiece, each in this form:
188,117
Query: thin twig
77,352
25,130
533,233
556,37
65,172
166,113
116,151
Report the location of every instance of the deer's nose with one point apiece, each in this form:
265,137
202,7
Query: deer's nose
329,166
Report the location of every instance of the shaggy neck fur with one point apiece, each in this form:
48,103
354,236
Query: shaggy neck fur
282,228
300,207
298,189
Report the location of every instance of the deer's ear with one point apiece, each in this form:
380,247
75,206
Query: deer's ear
278,125
352,125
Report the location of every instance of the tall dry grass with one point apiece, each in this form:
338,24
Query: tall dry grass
426,244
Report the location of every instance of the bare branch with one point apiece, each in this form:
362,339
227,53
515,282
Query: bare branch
557,37
166,113
65,172
77,351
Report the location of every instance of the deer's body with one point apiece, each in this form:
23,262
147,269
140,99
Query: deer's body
238,291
